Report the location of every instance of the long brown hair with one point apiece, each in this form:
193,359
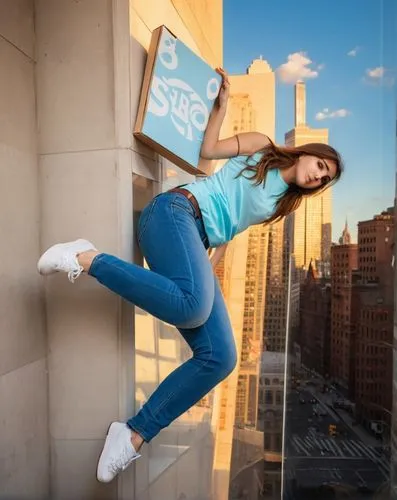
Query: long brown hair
284,157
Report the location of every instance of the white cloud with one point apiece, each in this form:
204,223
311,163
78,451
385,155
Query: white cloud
297,68
353,52
376,72
378,76
326,113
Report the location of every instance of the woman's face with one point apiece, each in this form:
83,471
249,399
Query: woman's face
313,172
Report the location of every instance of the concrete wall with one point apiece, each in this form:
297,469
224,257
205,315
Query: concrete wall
84,115
24,453
90,61
69,164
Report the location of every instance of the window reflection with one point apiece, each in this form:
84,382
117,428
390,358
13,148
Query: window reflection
326,304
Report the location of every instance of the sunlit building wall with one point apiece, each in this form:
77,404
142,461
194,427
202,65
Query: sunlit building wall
251,107
312,220
275,323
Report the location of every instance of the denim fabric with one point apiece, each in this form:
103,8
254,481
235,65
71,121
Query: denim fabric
181,289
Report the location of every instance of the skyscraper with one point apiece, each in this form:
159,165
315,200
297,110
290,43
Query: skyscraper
312,220
251,348
247,114
372,316
344,263
315,318
274,328
243,279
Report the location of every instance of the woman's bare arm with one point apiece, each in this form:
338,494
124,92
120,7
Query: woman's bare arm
245,143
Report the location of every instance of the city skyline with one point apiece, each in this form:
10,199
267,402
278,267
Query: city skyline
350,88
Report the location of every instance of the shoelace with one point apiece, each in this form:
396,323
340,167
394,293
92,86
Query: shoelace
122,462
73,275
71,263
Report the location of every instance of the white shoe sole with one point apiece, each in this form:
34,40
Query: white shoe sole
105,448
112,430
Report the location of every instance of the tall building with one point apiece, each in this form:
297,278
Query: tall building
253,100
374,239
275,324
242,275
344,260
315,312
346,238
372,310
248,469
393,434
266,288
242,113
312,220
293,283
361,326
254,307
372,317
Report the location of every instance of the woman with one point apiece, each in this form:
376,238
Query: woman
260,183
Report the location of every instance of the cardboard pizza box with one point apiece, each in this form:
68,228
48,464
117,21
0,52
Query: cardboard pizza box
178,93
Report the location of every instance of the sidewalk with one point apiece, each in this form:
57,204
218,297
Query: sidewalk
345,417
365,436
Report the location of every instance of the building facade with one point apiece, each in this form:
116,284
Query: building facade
76,357
344,260
372,307
315,323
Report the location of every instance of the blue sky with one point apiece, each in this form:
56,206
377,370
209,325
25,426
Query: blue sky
316,37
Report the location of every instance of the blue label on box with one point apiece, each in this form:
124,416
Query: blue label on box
181,96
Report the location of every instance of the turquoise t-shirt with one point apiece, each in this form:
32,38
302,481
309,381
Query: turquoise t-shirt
230,205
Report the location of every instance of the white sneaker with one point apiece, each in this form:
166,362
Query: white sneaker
63,257
117,454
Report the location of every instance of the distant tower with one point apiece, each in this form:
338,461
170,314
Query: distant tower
300,103
259,67
312,227
346,238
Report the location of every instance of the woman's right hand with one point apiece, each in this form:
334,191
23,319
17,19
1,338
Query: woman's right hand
224,91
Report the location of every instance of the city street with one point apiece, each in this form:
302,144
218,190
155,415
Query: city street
314,457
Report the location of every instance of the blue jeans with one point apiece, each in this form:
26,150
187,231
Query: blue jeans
181,289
